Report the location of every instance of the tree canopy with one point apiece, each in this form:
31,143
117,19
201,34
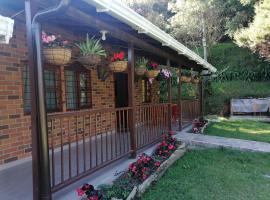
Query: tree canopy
257,35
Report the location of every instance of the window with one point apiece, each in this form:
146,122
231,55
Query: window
52,91
146,91
78,89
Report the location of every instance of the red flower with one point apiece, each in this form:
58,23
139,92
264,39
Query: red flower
171,132
144,176
80,192
170,147
118,56
157,164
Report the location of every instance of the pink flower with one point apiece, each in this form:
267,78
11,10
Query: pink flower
80,192
144,176
157,164
170,147
65,42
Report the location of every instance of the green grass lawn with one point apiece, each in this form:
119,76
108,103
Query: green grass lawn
242,129
215,174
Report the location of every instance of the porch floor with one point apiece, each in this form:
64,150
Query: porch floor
16,181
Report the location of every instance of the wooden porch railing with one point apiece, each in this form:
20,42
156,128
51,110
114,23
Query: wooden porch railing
83,141
190,111
151,122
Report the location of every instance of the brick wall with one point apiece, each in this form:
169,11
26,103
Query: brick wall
15,125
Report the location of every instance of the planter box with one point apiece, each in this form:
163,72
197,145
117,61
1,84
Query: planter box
140,189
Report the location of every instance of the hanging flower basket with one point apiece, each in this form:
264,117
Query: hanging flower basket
118,66
186,79
90,61
57,55
152,73
195,80
140,71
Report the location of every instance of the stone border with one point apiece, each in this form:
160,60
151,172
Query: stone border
207,124
140,189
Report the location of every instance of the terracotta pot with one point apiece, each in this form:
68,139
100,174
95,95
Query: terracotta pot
140,71
152,73
185,79
195,80
57,55
90,61
118,66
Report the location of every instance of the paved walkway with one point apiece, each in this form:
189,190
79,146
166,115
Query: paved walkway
215,141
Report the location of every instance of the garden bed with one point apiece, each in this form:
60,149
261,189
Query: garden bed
140,174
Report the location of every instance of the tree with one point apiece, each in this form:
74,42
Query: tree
257,35
155,11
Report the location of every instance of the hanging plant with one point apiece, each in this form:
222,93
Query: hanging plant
195,79
140,67
186,77
118,62
165,73
56,51
152,70
91,52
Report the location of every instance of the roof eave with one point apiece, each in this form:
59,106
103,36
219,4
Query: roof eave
139,23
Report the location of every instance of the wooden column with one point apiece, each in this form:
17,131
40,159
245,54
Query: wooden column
169,85
180,100
201,97
40,147
131,102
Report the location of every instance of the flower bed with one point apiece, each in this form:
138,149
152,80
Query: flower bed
144,171
198,125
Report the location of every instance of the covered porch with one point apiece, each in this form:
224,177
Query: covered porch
71,144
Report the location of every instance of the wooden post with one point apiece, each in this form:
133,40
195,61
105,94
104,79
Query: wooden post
40,148
169,85
131,102
201,97
180,100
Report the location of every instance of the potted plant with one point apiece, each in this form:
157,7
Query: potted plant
56,50
91,52
195,79
140,67
152,70
118,62
185,77
165,73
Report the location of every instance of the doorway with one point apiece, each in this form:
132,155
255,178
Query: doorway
121,100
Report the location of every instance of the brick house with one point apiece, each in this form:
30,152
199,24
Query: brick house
96,112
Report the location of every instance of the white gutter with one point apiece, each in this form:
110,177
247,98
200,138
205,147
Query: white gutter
125,14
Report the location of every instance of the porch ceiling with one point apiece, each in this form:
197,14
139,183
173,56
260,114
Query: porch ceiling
91,16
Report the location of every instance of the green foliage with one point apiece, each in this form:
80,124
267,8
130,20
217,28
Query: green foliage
215,174
242,129
141,62
257,35
91,46
120,189
221,93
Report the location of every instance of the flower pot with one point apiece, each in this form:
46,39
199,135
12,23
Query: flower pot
118,66
89,61
57,55
140,71
195,80
152,73
185,79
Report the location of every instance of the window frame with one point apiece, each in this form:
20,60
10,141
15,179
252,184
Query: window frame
58,90
78,70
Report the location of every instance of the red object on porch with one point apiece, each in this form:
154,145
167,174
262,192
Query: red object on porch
175,112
